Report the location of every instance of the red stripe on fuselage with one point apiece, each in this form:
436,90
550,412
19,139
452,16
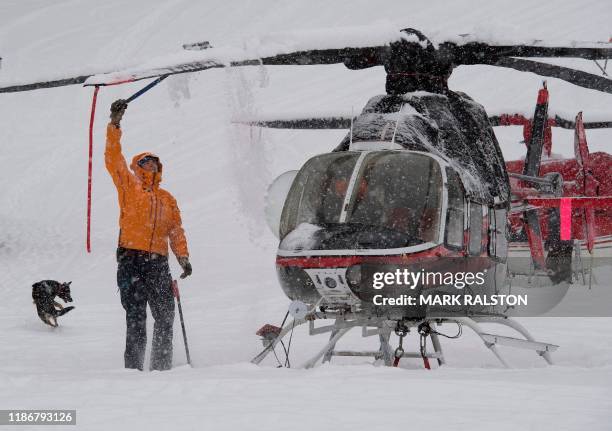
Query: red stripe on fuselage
346,261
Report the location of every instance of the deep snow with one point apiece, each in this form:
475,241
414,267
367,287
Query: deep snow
218,172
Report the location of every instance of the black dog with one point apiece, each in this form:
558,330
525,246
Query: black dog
44,293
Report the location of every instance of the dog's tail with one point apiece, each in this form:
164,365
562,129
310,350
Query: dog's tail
64,310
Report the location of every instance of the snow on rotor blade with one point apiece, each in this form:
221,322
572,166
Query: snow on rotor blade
317,46
174,65
323,46
326,39
362,44
180,62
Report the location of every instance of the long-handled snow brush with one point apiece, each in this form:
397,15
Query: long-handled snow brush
146,88
177,295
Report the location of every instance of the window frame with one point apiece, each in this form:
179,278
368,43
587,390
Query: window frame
452,175
498,217
471,246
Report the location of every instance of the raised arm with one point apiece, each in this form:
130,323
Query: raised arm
113,157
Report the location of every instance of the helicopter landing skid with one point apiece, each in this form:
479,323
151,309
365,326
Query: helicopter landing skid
491,340
344,322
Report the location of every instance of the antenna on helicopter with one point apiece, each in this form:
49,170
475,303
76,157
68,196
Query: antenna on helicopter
396,124
351,132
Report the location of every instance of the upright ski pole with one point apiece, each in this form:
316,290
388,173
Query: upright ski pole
177,295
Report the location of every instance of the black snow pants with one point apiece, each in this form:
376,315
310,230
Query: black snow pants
145,278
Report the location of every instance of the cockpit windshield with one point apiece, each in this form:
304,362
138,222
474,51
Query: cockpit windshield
395,201
400,191
318,191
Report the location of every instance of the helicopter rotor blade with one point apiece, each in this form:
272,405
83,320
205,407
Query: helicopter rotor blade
355,57
476,51
571,124
352,57
573,76
113,78
313,123
44,84
519,119
411,60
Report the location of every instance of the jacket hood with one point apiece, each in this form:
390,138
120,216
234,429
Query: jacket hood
151,179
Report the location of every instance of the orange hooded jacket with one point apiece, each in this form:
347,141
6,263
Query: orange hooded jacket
149,215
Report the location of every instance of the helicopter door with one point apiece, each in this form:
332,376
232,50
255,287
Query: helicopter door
455,213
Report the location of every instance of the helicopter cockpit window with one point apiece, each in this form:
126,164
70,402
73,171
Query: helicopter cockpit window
318,191
454,217
401,192
395,202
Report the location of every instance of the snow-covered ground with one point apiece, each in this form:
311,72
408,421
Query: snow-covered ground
218,172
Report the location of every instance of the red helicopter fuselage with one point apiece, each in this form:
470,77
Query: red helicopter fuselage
571,172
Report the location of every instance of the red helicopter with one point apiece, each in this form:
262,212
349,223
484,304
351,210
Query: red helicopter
587,221
418,186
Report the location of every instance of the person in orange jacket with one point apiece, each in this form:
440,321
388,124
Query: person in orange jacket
149,219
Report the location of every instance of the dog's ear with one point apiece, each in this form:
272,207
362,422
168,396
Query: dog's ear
68,284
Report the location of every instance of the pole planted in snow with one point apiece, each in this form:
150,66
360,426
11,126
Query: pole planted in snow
177,295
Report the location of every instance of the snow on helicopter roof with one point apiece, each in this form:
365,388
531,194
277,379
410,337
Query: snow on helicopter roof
452,126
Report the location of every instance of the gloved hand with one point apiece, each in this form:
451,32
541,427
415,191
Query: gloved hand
184,262
117,110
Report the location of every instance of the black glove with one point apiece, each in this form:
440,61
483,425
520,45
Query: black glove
184,262
117,110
